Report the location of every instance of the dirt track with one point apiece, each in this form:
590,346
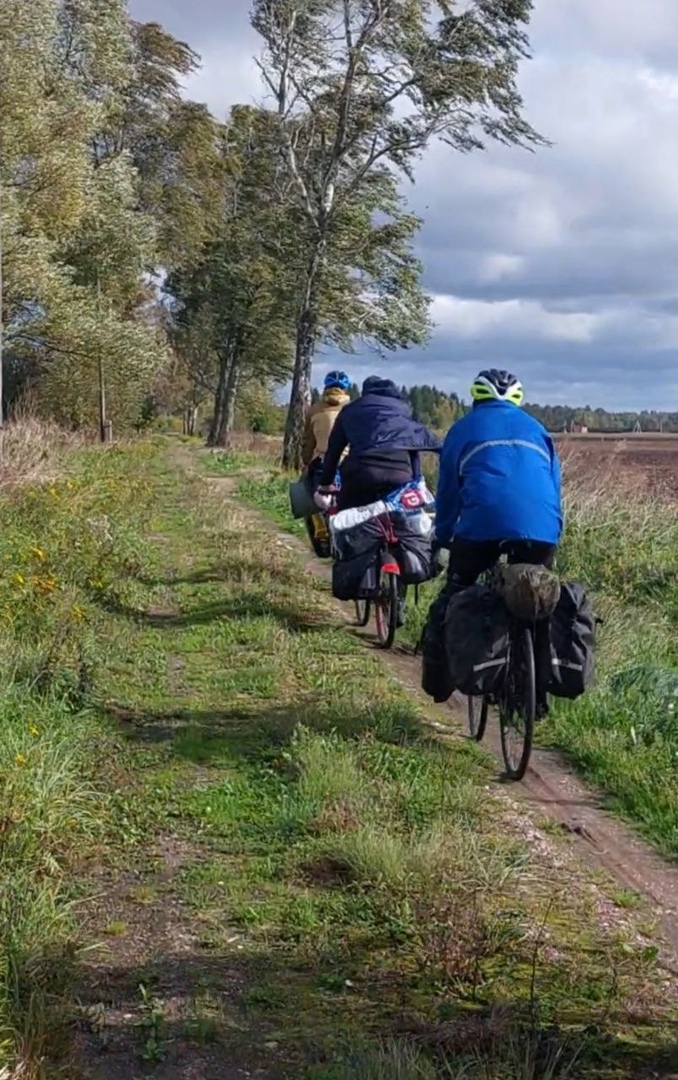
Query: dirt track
550,790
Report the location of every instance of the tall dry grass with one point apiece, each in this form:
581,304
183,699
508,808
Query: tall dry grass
32,451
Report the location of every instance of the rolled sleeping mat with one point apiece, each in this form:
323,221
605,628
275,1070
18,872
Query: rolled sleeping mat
301,498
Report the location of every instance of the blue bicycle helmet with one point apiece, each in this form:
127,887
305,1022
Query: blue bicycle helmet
337,378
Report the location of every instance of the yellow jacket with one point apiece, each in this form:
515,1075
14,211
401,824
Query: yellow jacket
320,421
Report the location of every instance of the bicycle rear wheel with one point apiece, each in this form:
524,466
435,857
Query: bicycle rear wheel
363,609
478,710
386,609
518,705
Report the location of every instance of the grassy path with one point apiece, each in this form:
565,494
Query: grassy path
303,883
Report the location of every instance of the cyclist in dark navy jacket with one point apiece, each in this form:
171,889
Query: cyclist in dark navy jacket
383,443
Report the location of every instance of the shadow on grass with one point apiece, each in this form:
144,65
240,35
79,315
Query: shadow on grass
252,732
225,572
290,617
275,1018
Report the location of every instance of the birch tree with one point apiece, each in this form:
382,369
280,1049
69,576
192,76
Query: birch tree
361,87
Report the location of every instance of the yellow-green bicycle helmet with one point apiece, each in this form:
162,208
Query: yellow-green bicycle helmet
496,385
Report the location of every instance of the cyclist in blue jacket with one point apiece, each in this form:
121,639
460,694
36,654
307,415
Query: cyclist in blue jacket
498,490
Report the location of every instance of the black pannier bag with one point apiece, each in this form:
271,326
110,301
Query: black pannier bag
477,635
572,633
413,551
357,578
435,674
367,537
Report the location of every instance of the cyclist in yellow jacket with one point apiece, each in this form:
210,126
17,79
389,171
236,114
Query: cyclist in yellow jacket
319,423
321,418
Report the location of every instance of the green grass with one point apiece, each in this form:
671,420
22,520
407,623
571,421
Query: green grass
66,546
210,784
622,736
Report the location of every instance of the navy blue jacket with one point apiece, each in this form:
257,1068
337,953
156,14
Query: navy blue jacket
379,421
499,478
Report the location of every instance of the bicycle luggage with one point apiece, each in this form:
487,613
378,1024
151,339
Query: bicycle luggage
477,635
573,641
359,540
357,578
436,680
531,593
413,552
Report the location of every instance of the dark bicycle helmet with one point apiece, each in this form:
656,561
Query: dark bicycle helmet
337,378
494,385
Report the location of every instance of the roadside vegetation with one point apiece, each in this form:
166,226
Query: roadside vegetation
69,535
623,544
218,792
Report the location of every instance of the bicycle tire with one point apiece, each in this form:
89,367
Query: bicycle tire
363,610
386,609
519,699
478,712
321,547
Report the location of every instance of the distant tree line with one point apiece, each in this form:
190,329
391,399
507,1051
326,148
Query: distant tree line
439,410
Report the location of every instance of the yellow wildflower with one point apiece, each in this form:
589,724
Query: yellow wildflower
20,760
20,579
32,730
39,553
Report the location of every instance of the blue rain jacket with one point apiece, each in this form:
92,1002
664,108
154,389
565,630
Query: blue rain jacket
499,478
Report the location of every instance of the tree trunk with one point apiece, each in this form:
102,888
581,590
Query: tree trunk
190,419
300,396
226,426
220,397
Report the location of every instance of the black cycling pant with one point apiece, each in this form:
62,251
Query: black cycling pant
471,558
362,483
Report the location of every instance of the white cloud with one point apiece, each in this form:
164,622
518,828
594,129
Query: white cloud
514,319
499,267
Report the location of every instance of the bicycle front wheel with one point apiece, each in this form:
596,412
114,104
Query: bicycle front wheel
386,609
478,709
362,612
518,706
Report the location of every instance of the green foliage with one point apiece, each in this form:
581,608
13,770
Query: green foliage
434,407
66,546
106,173
233,304
75,244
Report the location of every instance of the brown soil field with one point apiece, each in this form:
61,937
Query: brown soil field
650,462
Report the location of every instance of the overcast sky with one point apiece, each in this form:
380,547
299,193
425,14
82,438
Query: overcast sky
561,265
